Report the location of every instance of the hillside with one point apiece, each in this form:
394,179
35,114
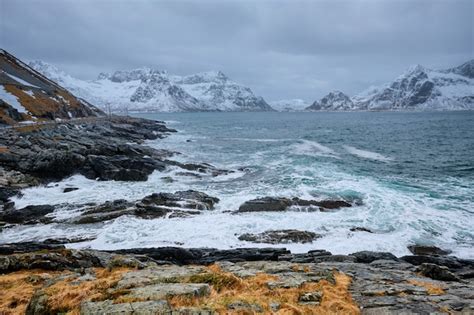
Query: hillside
28,96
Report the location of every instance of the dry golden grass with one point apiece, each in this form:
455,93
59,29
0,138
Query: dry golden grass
17,288
431,288
254,290
66,296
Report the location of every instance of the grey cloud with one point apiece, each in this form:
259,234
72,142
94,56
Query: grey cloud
282,49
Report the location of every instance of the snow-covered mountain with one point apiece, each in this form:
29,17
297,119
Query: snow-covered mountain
335,100
419,88
151,90
290,105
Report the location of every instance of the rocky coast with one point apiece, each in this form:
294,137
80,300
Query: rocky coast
46,277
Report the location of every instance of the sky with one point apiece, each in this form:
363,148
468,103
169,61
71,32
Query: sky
280,49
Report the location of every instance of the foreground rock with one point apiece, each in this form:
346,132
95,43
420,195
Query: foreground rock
283,204
257,281
280,237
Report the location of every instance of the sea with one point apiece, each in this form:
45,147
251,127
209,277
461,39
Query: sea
411,175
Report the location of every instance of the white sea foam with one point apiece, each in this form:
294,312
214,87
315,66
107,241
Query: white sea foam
367,154
312,148
399,217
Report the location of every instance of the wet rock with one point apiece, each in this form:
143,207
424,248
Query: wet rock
368,256
71,240
280,237
27,215
189,199
265,204
428,250
282,204
360,229
69,189
107,211
437,272
323,204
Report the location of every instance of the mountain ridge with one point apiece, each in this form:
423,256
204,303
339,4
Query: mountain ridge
418,88
151,90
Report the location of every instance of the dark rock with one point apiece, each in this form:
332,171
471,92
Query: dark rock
448,261
50,260
282,204
107,211
206,256
189,199
27,215
280,237
437,272
368,256
25,247
360,229
266,204
427,250
69,189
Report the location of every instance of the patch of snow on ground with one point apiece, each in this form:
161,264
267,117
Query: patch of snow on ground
12,100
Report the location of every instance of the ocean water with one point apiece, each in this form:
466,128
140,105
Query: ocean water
412,172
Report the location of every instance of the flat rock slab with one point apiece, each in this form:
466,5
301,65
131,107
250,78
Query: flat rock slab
166,273
108,307
164,290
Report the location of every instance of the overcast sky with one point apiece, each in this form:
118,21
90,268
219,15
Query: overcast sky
281,49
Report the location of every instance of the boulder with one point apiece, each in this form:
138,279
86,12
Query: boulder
282,204
428,250
369,256
27,215
265,204
280,237
437,272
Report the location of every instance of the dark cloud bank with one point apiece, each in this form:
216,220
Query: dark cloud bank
282,49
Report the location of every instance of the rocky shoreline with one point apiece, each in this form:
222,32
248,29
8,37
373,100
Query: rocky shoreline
176,280
154,279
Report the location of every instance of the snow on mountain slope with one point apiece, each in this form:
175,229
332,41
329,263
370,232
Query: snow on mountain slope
150,90
289,105
220,93
420,88
335,100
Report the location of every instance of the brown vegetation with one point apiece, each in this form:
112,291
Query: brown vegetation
227,289
17,288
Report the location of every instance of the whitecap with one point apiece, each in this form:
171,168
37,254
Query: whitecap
367,154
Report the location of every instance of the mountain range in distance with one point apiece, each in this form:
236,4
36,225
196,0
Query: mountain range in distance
153,90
